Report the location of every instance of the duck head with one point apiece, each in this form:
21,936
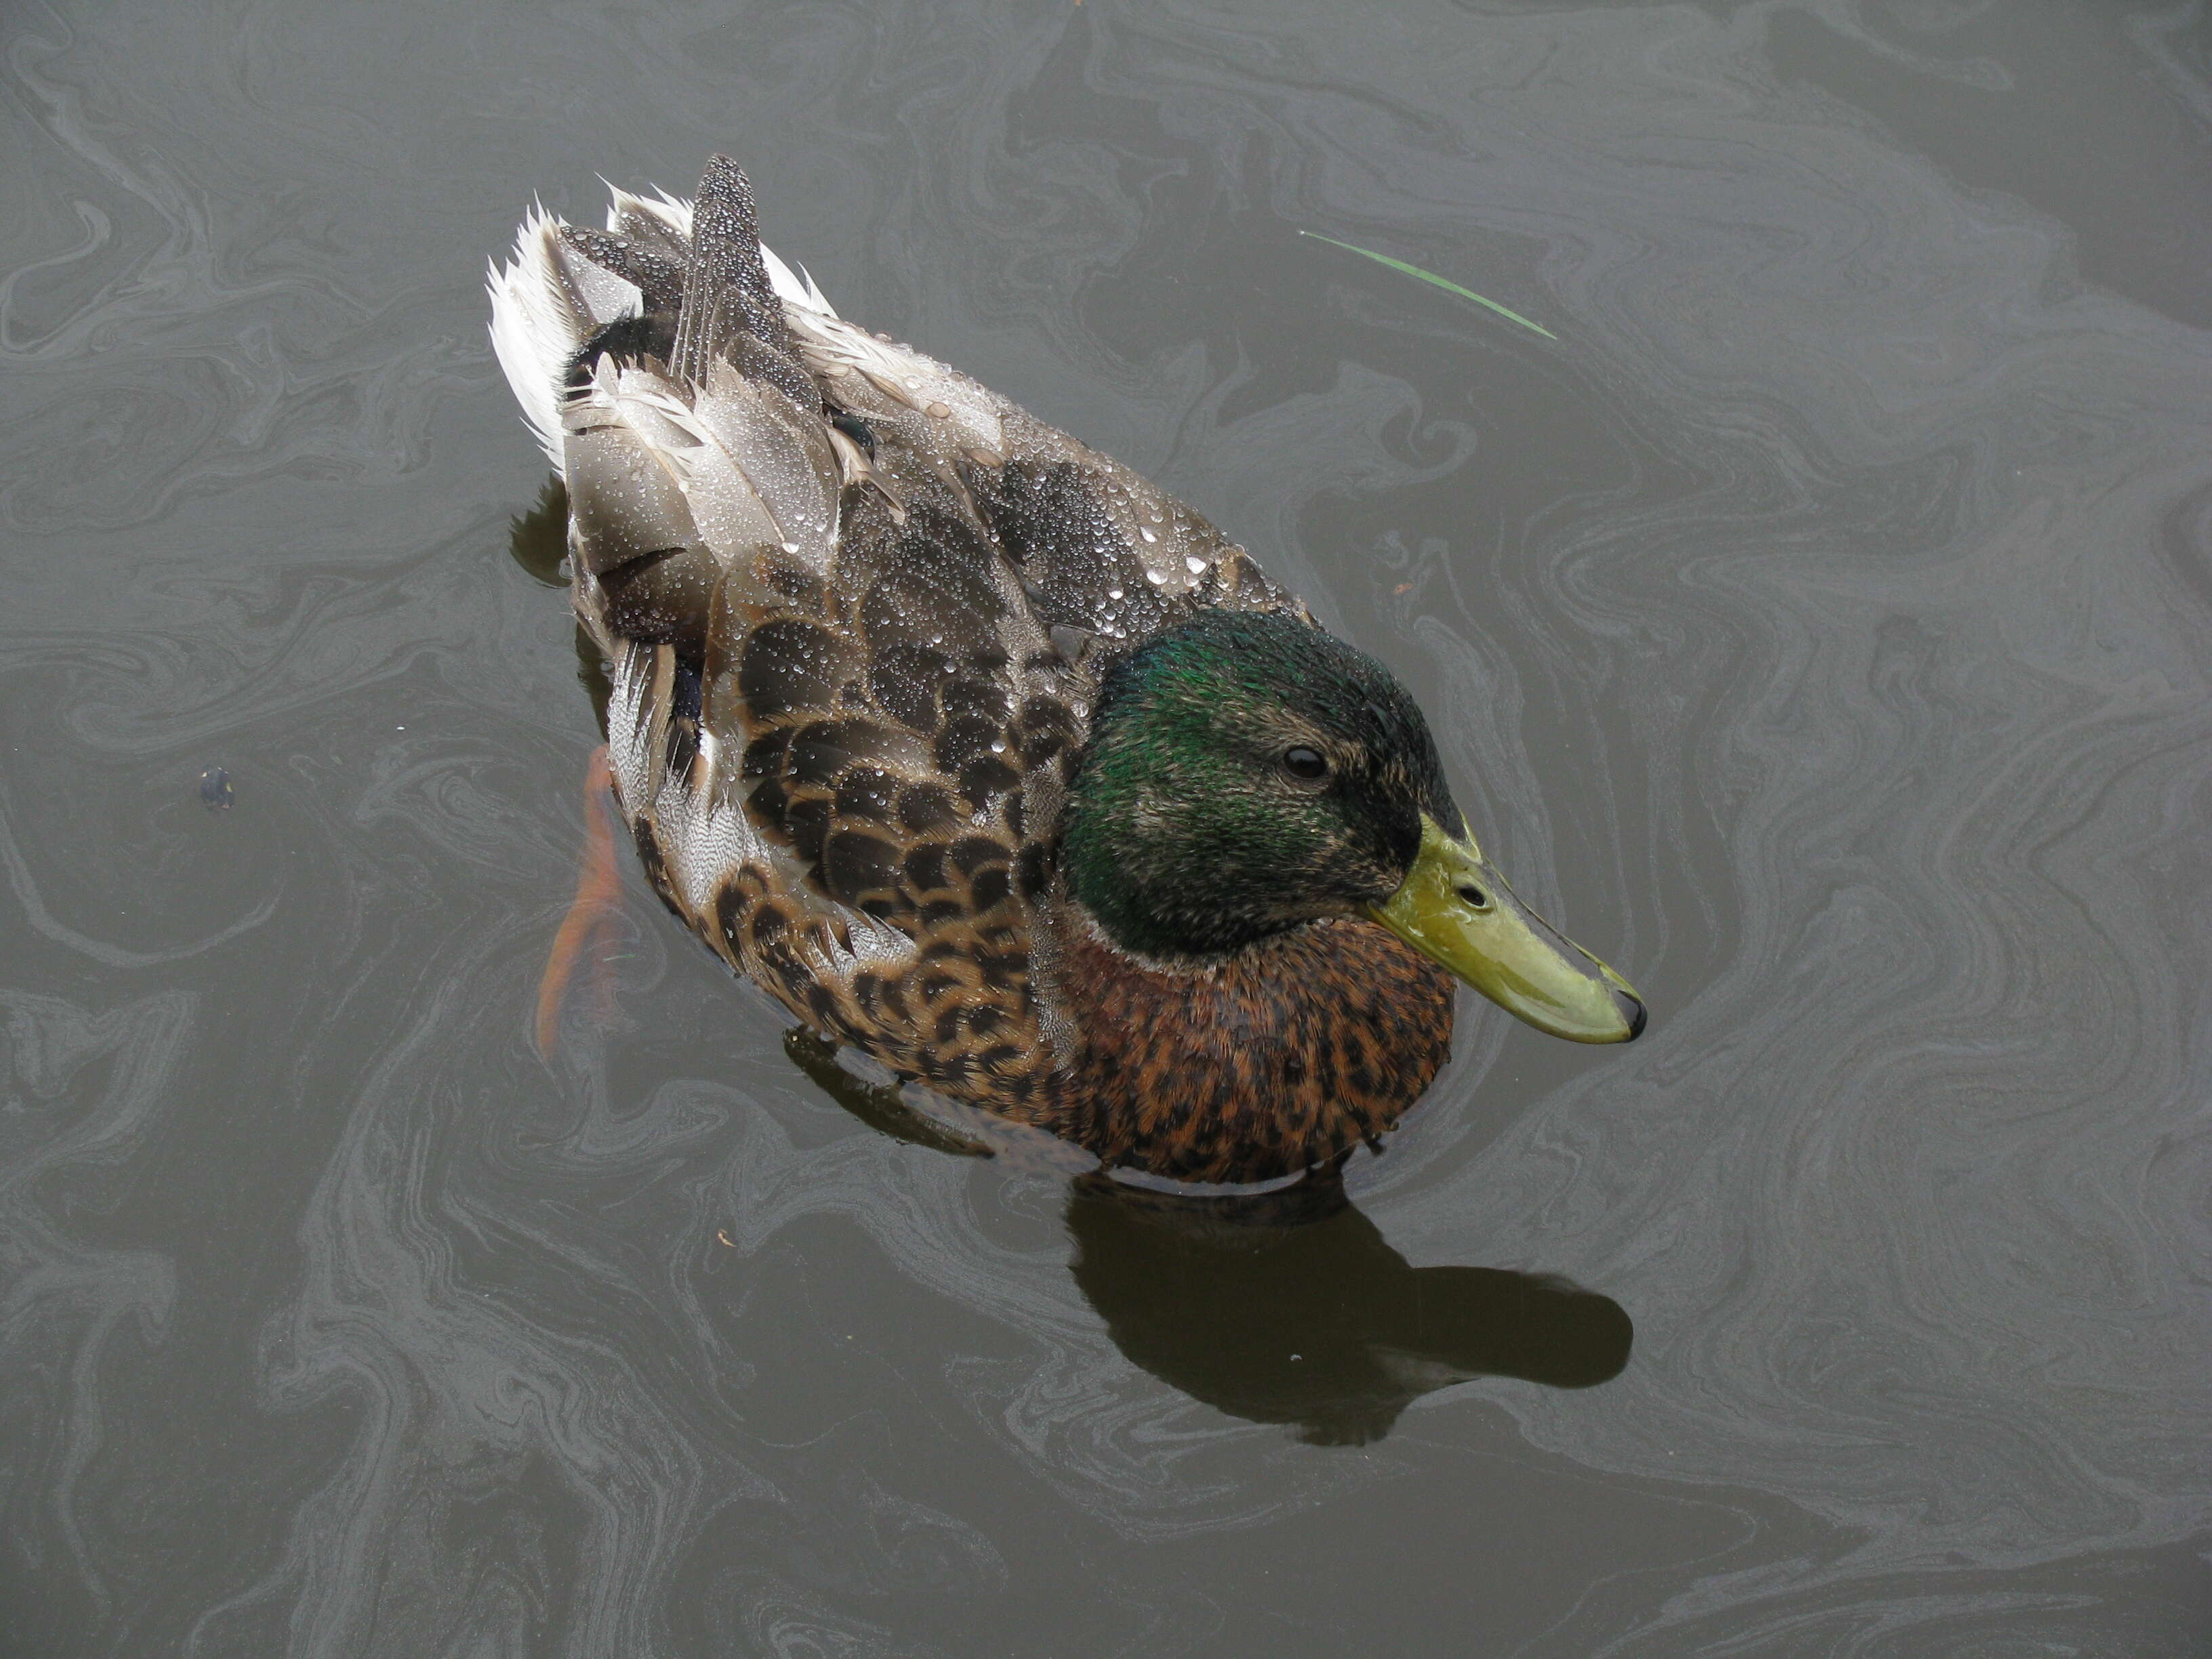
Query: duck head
1246,772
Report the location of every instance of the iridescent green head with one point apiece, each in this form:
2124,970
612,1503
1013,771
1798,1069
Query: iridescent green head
1247,772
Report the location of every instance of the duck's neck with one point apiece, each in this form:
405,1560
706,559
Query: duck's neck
1275,1057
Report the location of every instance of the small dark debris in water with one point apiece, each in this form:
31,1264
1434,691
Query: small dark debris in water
215,789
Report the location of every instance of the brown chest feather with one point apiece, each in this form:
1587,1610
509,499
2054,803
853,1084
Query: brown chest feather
1292,1051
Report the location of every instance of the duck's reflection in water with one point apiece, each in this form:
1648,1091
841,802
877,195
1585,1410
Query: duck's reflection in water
1291,1308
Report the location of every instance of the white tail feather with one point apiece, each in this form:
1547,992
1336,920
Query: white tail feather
546,303
533,330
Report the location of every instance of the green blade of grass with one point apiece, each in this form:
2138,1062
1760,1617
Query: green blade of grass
1430,277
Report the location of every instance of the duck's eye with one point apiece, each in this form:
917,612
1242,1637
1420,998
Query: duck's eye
1304,765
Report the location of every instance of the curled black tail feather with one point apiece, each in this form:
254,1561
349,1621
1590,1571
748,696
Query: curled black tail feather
627,338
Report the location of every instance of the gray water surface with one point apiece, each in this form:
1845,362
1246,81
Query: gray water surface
1817,629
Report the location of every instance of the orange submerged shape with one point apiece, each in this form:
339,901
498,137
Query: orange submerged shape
599,891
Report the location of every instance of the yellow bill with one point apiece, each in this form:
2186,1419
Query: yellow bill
1456,910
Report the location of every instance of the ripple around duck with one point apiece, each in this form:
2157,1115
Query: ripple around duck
1817,630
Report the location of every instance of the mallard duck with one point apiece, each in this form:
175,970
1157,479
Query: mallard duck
980,753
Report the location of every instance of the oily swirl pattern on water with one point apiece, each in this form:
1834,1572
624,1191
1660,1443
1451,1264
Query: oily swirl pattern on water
1818,630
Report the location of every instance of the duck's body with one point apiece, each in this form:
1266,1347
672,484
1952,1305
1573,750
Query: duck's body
861,615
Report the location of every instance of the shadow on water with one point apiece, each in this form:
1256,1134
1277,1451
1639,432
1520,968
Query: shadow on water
1283,1307
1292,1309
538,541
882,1106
